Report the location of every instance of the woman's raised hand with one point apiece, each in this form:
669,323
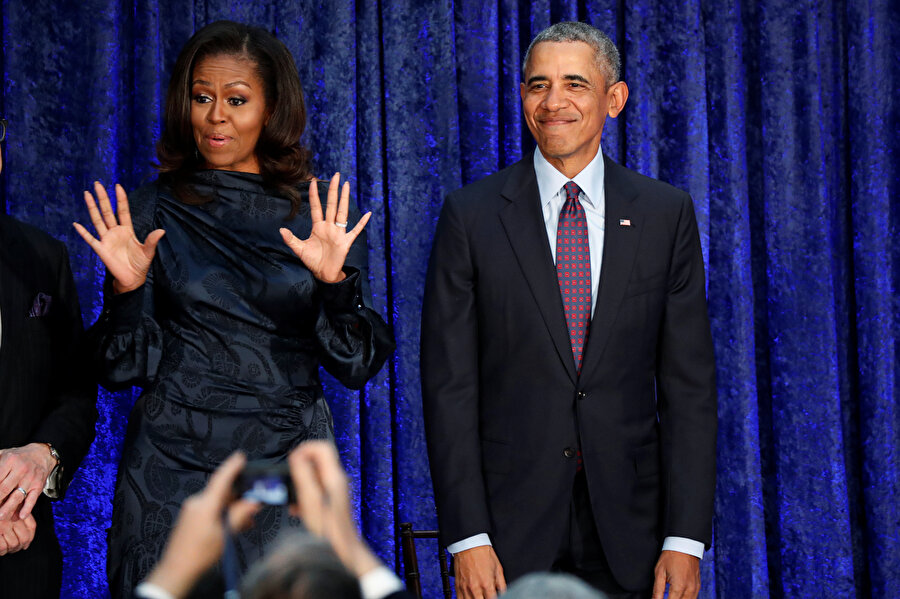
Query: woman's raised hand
126,258
329,241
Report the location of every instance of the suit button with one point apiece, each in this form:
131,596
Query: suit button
582,395
569,452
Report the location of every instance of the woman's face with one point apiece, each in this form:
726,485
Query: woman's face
228,112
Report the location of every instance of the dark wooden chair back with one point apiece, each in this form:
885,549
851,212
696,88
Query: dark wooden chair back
408,538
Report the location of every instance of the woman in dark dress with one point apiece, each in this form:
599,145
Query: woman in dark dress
221,318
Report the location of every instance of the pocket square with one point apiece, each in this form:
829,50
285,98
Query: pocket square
40,306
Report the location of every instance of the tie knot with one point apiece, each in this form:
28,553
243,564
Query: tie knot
572,190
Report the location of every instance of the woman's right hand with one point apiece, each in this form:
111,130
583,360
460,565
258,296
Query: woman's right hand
126,258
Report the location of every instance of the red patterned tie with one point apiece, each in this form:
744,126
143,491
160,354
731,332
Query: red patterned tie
573,270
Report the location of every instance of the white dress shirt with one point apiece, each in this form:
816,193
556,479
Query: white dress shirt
551,184
593,199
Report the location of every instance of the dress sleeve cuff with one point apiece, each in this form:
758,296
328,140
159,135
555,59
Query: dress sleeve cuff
683,545
124,310
478,540
343,296
379,583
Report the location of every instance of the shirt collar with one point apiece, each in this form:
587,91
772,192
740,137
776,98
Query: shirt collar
550,181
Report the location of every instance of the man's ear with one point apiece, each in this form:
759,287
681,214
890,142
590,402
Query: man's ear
618,95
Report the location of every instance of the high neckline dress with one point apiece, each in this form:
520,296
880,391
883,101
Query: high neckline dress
226,338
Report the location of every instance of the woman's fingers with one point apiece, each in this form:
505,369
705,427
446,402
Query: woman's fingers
122,207
355,231
331,206
292,241
109,217
90,239
337,208
343,207
315,206
94,213
151,242
102,215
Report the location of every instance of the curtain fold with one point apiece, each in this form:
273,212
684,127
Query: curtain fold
873,112
779,117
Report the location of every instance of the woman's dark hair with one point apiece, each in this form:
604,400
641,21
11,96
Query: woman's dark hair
283,162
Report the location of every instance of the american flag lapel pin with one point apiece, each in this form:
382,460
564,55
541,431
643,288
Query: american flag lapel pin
625,222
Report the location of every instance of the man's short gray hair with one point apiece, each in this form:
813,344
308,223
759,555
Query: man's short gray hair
539,585
605,52
300,567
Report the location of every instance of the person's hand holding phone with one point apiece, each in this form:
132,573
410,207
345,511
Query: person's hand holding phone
323,504
198,539
265,482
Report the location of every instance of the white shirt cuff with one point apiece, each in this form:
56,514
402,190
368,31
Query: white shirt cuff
147,590
51,485
469,542
683,545
379,583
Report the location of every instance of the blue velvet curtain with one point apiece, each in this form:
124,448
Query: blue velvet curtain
779,116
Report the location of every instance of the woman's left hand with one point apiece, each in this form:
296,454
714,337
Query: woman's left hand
329,241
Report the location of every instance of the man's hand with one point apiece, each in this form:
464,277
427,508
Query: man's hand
681,571
479,574
23,468
16,534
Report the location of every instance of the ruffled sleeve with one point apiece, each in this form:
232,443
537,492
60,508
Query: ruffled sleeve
126,341
354,341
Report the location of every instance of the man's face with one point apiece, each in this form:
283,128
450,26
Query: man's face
566,101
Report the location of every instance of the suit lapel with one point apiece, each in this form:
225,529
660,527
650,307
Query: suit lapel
524,225
620,244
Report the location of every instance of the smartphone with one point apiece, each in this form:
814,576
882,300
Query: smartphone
266,483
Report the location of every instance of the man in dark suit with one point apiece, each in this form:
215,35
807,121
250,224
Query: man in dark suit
567,363
47,404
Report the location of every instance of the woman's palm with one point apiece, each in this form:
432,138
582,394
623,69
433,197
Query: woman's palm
329,241
126,258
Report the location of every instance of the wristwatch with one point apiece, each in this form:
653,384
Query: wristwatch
53,452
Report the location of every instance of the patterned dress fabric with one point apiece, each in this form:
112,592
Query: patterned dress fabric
226,338
573,269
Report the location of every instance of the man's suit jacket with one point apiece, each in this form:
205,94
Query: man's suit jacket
46,394
504,406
